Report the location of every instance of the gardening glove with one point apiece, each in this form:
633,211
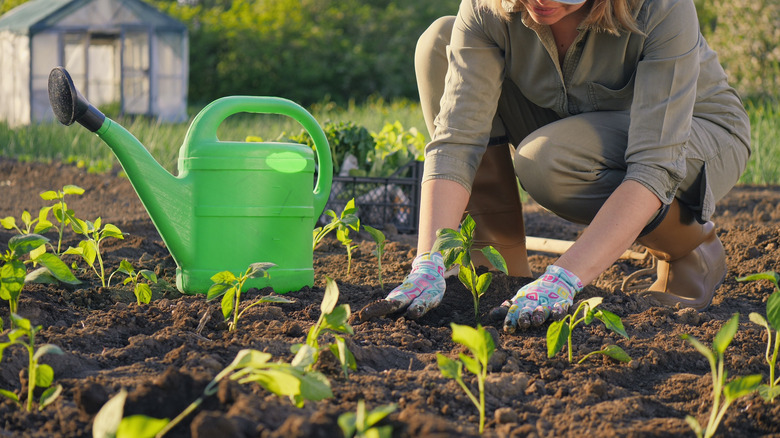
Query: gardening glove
423,288
551,294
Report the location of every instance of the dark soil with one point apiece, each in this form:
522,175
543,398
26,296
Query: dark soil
164,359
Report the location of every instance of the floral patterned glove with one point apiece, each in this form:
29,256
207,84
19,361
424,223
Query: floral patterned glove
551,294
423,288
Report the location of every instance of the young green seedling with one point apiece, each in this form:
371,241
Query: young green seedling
730,392
379,239
229,287
39,375
60,209
560,332
334,319
480,344
772,325
455,247
13,273
362,424
280,378
347,218
142,291
89,248
39,225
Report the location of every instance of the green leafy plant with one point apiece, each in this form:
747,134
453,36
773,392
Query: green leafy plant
394,148
772,324
248,366
455,247
39,375
347,218
229,287
559,333
722,392
481,345
379,239
332,319
38,225
362,424
13,273
62,213
89,247
142,291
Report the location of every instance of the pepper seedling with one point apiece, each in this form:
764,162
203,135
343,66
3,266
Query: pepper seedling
13,273
347,218
480,344
770,323
362,424
559,333
334,319
142,291
379,239
248,366
228,286
39,225
455,247
739,387
60,209
89,248
39,375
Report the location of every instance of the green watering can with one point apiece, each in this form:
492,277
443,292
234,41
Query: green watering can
232,203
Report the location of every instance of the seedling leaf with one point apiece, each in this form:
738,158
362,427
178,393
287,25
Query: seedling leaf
224,277
44,376
725,334
260,270
71,189
741,386
143,292
466,276
315,386
49,396
10,395
109,417
21,245
495,258
769,393
756,318
470,363
616,353
330,298
483,282
451,369
612,322
46,349
227,302
557,334
250,358
481,345
773,310
694,424
337,319
140,426
57,267
304,356
217,290
278,382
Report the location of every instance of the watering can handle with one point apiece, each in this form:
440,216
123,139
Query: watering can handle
204,127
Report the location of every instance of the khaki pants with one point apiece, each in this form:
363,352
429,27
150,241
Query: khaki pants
571,166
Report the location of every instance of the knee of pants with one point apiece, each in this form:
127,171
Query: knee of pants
569,185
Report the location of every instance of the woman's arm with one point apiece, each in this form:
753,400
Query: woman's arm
612,231
442,203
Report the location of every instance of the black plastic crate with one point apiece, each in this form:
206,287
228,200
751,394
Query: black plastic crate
382,203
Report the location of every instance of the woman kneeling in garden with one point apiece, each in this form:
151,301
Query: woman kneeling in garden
611,113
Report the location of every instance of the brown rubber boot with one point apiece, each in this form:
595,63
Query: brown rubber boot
498,213
691,259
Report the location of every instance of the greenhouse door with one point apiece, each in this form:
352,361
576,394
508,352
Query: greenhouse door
136,83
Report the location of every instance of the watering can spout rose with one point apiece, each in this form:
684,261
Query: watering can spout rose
232,203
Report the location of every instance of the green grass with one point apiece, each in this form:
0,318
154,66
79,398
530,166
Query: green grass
54,142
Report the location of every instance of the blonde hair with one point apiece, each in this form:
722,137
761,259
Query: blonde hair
611,16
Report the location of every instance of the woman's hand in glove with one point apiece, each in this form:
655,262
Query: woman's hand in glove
549,295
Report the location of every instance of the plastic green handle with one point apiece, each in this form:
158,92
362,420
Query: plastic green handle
203,130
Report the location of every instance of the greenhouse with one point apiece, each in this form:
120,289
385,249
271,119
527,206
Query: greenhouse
123,55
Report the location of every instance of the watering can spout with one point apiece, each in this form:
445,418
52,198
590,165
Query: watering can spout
166,198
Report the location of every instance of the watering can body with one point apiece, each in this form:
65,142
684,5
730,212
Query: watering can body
232,203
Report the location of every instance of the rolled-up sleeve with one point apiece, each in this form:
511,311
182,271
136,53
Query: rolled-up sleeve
472,89
664,98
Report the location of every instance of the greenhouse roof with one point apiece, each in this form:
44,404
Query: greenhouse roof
36,15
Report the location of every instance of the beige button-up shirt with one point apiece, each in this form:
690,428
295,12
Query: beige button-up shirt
664,78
